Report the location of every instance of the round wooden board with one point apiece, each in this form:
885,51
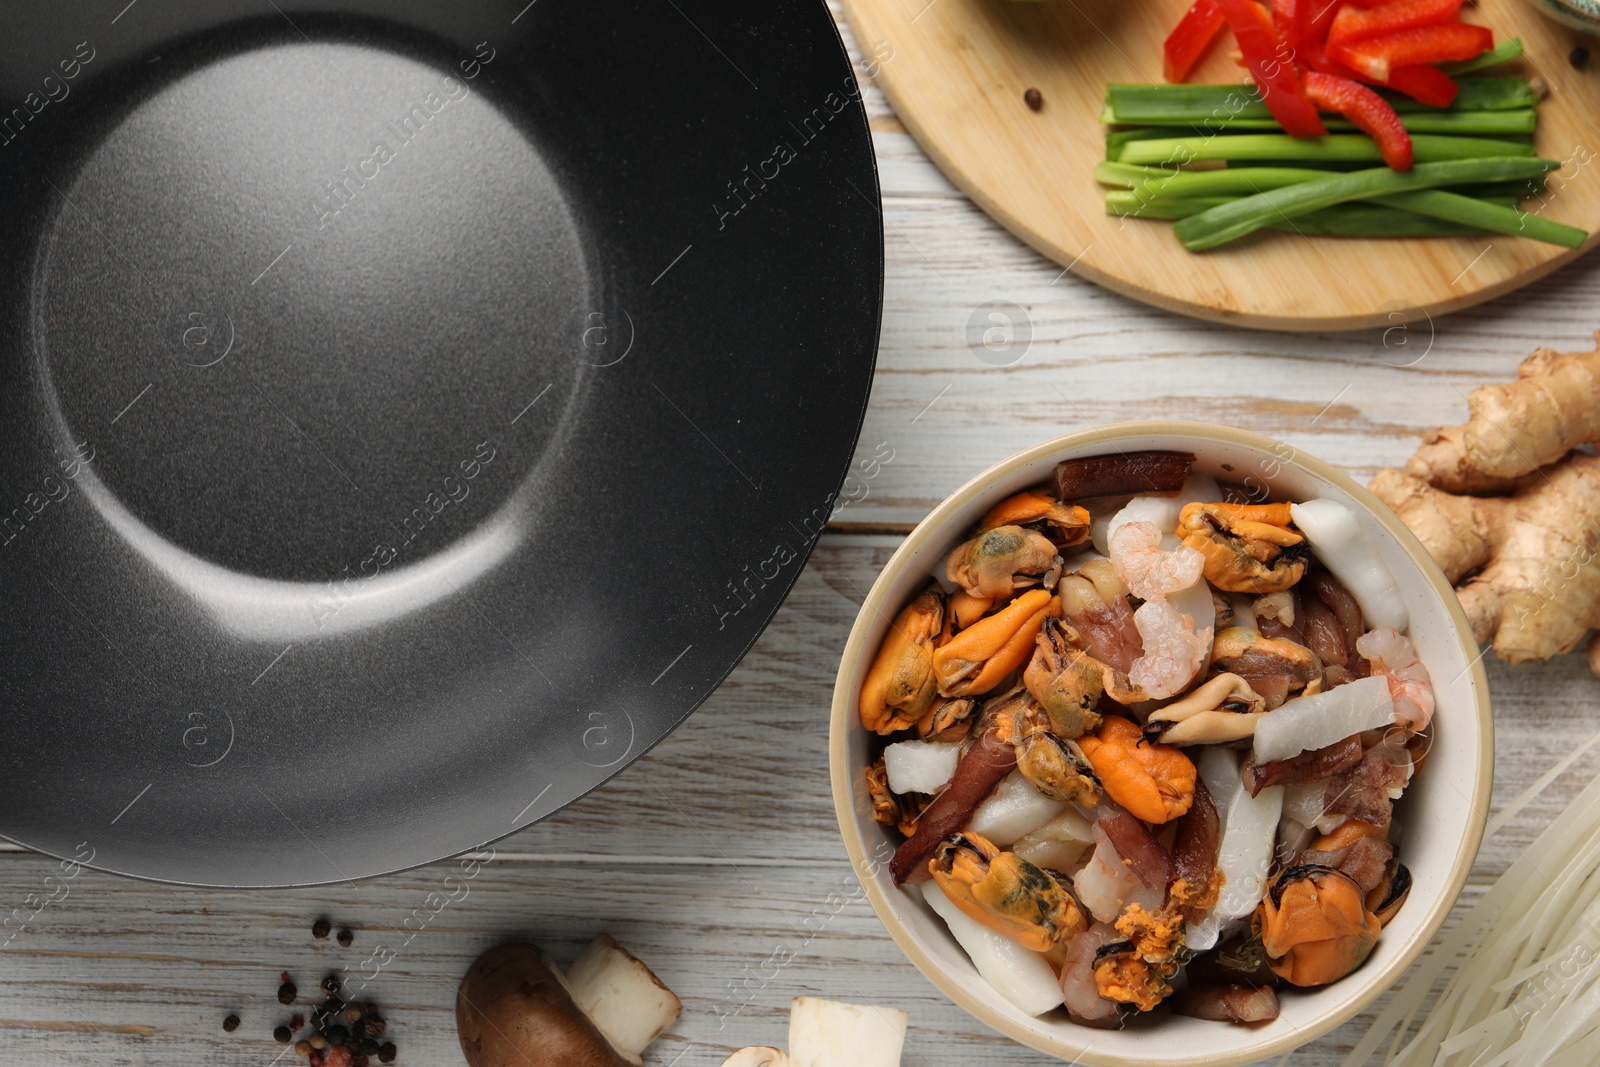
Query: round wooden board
956,70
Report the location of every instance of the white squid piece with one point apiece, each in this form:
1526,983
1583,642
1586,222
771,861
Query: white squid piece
1014,809
1339,542
1244,853
1308,723
920,766
1021,976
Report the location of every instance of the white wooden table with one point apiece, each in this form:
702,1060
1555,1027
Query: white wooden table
716,856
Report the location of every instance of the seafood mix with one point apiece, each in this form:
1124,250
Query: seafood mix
1143,742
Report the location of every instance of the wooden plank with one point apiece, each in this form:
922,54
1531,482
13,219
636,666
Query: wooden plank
1357,400
716,857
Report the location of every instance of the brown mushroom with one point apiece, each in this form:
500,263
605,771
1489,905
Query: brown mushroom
515,1008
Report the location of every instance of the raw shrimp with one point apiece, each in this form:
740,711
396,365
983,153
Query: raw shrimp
1392,655
1148,570
1079,991
1107,884
1173,652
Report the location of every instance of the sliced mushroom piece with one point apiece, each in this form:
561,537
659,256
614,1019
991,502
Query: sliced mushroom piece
758,1056
515,1008
828,1033
622,996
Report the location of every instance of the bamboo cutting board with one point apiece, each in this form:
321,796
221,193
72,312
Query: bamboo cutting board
956,71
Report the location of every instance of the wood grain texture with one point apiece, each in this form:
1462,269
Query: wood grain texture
717,855
955,71
716,858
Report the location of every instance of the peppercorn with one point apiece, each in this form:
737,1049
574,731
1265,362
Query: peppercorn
320,928
286,992
302,1047
330,985
231,1023
1034,99
387,1052
337,1036
359,1059
352,1014
1578,57
282,1035
374,1025
296,1021
345,937
369,1046
318,1041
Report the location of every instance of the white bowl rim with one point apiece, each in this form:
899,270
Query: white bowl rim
842,719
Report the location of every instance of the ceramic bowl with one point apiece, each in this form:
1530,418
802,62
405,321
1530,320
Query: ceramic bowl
1440,818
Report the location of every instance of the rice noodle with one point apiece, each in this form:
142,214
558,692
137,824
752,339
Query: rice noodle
1523,963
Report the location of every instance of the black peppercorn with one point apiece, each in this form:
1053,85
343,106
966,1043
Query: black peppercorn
387,1052
231,1023
369,1046
1034,99
320,928
286,993
374,1026
1578,57
282,1035
337,1036
330,986
345,936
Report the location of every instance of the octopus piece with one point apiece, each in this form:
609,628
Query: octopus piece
1065,525
1315,925
1228,1003
1194,857
979,658
1094,601
901,685
1221,710
1153,782
1392,655
1174,653
1313,766
1148,570
1359,849
1274,667
1000,561
1248,548
1331,625
988,758
1123,474
1005,892
1367,790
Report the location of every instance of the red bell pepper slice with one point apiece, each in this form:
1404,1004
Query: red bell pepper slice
1317,58
1378,57
1424,84
1355,24
1319,15
1275,75
1369,111
1190,38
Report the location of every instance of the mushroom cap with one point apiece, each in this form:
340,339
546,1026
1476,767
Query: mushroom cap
513,1010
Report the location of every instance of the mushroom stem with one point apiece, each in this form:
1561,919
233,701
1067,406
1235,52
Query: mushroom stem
621,996
827,1033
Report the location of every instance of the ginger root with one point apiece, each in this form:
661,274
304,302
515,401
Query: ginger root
1512,514
1552,407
